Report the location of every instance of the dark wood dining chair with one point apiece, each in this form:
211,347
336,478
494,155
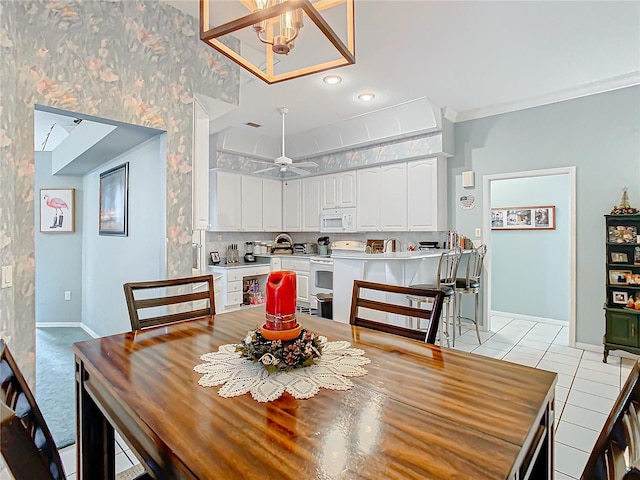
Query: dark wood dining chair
616,454
27,446
433,298
187,292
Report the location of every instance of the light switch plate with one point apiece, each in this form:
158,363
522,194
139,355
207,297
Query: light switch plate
7,276
477,233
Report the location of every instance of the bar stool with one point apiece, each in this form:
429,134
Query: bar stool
471,285
445,282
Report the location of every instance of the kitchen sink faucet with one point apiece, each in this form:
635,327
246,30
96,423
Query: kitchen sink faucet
393,241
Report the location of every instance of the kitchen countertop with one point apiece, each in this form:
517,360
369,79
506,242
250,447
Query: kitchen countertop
415,255
240,264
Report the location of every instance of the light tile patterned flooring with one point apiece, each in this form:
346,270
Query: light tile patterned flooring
585,393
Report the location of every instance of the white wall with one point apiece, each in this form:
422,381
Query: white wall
599,135
58,255
111,261
530,268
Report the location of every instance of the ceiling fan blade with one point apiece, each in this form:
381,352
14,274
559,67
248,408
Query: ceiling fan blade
297,171
266,169
262,161
305,164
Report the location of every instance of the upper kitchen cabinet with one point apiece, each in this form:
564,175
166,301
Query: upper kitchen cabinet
311,188
382,198
225,207
339,190
291,205
271,205
251,204
427,195
368,217
393,197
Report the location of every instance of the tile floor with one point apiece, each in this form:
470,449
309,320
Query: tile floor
585,393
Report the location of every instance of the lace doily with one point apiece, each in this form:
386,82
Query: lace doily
241,375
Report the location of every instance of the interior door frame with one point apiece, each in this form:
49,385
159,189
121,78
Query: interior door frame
486,220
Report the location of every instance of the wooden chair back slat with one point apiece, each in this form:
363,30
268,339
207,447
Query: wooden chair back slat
432,315
25,440
615,437
136,305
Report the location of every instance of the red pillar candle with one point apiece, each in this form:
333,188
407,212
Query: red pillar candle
281,301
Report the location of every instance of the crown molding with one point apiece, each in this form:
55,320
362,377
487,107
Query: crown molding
615,83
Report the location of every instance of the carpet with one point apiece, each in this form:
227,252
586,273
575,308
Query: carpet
55,382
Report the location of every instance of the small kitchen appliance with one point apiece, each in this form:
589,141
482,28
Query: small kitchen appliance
283,245
305,248
248,255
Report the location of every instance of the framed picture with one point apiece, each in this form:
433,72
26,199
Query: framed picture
114,204
619,257
619,277
634,279
622,234
620,297
57,210
636,256
524,218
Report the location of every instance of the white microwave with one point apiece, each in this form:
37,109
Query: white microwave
338,220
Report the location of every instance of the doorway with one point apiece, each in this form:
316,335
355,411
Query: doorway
79,273
536,271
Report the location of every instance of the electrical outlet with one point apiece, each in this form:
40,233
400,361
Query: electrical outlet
219,238
7,276
478,233
67,295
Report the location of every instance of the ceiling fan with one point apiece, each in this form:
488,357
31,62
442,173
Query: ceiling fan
284,163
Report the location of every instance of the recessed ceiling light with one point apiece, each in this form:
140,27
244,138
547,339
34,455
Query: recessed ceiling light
332,79
366,97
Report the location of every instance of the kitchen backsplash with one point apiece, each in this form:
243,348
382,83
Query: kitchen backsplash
218,241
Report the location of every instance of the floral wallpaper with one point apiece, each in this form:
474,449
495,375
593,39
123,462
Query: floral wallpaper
138,62
406,148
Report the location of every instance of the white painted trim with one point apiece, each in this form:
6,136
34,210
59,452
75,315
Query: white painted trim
89,331
531,318
67,324
486,228
615,83
58,324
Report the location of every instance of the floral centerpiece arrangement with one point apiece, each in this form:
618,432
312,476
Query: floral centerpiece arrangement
277,355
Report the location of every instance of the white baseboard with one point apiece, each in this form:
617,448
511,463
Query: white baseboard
89,331
67,324
531,318
58,324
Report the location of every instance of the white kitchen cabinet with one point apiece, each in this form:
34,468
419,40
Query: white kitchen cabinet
338,190
427,195
311,189
347,189
231,284
291,205
271,205
393,197
225,199
251,204
301,267
367,218
382,198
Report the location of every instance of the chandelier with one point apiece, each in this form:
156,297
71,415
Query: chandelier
260,35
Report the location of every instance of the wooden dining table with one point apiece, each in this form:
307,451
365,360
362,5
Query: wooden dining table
421,411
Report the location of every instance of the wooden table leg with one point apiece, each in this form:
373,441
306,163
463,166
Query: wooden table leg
95,443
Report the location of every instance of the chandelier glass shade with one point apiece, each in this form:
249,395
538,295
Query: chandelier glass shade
260,35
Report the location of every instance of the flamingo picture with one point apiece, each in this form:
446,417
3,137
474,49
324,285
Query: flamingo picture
51,201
